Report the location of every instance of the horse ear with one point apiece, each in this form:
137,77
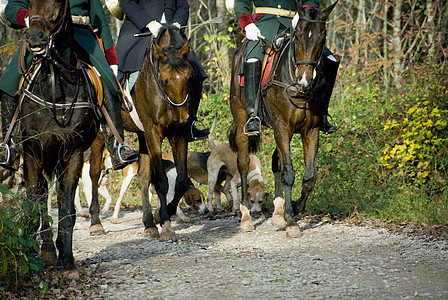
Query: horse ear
185,50
326,12
300,10
160,53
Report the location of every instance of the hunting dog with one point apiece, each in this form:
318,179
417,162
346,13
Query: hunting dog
222,157
193,197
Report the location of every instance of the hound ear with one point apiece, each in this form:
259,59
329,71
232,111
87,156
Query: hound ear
185,50
326,12
160,53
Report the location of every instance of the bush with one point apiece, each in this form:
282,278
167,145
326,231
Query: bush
18,247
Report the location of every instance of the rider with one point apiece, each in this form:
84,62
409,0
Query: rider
86,15
270,18
141,16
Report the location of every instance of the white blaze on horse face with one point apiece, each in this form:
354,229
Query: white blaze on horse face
303,81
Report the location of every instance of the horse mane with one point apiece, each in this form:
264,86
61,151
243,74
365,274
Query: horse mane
177,40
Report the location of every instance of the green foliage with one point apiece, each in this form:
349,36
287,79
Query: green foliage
389,157
18,247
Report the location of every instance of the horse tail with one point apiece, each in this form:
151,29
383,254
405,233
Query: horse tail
254,141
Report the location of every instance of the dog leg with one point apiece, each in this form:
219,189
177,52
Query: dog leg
105,193
180,214
236,201
79,206
131,171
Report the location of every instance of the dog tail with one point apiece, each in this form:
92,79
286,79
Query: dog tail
254,141
211,138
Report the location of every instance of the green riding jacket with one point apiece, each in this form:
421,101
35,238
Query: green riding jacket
269,25
17,10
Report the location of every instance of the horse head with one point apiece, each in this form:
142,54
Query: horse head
173,69
48,22
308,40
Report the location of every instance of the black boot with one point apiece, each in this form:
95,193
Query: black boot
9,151
252,75
195,134
330,72
121,154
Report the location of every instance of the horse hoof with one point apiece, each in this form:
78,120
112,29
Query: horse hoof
71,274
97,229
151,232
50,258
293,231
247,226
167,234
278,221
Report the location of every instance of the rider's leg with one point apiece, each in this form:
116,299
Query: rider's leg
252,76
194,133
199,76
330,69
121,154
8,151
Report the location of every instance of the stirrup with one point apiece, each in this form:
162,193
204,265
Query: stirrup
335,126
252,133
8,151
123,146
196,138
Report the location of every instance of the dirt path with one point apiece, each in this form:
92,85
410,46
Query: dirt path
212,260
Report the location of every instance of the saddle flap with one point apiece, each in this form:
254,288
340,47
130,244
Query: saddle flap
266,67
96,82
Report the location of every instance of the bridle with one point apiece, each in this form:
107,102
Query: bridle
155,69
52,61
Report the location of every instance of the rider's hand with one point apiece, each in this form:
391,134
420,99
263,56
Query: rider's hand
27,21
252,32
154,27
114,69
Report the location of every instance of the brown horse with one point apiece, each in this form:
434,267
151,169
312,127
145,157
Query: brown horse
161,97
57,119
293,103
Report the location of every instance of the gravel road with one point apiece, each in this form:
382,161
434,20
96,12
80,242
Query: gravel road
334,259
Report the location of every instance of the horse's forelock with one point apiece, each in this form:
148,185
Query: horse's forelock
312,13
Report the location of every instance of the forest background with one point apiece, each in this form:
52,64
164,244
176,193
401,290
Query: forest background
389,157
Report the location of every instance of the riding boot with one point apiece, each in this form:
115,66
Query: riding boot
121,154
252,75
195,134
9,151
330,72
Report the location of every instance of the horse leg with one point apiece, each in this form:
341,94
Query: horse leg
96,165
283,138
67,213
35,186
179,146
144,180
310,142
277,170
243,167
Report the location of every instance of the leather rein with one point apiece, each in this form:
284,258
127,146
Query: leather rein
54,60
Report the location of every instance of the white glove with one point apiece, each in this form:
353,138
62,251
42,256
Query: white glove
27,21
114,69
252,32
154,27
176,24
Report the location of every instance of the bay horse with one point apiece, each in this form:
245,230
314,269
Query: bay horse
58,122
294,97
161,97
